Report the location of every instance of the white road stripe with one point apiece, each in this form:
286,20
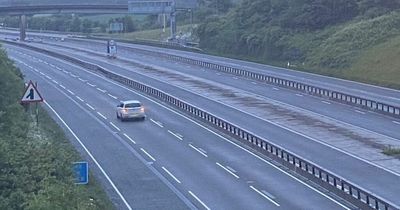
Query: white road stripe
169,173
395,122
254,83
114,97
198,199
151,157
101,90
130,139
360,112
66,71
226,169
299,95
52,65
58,68
325,102
157,123
201,152
265,196
92,157
82,80
113,125
275,88
41,73
91,107
55,81
101,115
176,135
218,74
73,75
62,86
91,84
72,93
235,78
79,98
48,77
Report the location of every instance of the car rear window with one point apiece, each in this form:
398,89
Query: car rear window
132,105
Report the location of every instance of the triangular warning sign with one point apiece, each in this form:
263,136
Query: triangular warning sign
31,94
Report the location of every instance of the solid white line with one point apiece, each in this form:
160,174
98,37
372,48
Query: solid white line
79,98
92,157
129,138
223,167
176,135
395,122
151,157
63,87
265,196
101,90
237,145
91,107
114,97
360,112
325,102
169,173
201,152
104,117
157,123
113,125
198,199
91,84
69,91
299,95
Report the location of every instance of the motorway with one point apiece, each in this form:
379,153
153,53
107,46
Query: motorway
168,160
320,154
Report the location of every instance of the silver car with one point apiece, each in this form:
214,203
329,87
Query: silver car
130,110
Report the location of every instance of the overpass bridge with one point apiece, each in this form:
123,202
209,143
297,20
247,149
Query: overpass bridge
30,7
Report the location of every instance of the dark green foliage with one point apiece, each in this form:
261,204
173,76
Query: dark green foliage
299,31
35,162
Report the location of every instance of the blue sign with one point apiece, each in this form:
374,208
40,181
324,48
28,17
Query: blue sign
81,170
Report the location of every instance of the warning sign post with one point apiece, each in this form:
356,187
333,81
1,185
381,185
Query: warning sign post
32,95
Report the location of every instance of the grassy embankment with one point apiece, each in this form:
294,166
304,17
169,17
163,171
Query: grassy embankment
35,160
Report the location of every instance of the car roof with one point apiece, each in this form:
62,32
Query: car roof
130,102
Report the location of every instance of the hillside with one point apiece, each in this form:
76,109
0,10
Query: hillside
336,38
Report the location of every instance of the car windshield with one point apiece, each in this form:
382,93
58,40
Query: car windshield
132,105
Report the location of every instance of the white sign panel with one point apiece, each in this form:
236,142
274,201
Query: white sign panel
31,94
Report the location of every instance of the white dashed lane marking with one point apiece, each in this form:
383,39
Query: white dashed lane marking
360,112
113,125
325,102
198,150
170,174
130,139
148,155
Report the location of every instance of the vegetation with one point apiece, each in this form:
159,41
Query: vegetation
331,37
392,151
35,160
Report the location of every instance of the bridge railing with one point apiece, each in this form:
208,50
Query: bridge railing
342,187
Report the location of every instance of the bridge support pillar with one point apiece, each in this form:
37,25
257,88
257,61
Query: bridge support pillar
22,27
173,25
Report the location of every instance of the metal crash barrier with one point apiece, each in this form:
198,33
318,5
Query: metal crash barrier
325,178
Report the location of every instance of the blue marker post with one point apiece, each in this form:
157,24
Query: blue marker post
81,170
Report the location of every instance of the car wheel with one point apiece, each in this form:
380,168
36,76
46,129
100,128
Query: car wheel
143,118
117,116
